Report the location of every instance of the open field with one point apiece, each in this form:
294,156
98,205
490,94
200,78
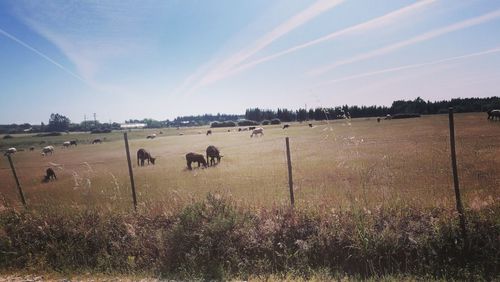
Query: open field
337,164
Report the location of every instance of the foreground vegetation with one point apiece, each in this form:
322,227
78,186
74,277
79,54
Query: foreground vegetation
215,238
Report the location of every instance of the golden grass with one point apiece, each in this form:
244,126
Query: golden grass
336,164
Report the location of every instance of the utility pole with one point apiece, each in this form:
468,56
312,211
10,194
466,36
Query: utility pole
85,122
95,121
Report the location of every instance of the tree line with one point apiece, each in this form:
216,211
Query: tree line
61,123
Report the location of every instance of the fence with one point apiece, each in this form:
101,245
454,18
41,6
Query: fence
337,166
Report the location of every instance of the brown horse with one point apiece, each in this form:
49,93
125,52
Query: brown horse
213,153
143,155
195,158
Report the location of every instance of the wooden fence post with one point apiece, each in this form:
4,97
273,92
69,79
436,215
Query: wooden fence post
130,170
460,208
17,181
290,179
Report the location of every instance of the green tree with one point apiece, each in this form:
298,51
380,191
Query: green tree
58,122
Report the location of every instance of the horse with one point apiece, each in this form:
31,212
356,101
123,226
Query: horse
195,158
213,153
286,126
209,132
73,142
152,136
493,114
257,131
310,125
143,155
49,175
97,140
66,144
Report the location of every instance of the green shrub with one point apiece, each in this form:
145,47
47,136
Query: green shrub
275,121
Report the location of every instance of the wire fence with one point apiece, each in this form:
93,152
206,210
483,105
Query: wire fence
340,170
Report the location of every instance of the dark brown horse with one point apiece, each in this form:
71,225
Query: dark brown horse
143,155
212,154
209,132
195,158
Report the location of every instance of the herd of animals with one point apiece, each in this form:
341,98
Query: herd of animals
213,155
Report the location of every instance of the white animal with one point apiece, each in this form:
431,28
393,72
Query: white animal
47,149
258,130
66,144
10,151
152,136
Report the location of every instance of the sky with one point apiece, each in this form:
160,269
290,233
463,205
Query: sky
160,59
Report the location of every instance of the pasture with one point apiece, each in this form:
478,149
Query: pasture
337,165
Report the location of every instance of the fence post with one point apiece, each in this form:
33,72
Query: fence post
17,181
290,179
460,208
130,170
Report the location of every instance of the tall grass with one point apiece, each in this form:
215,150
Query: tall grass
217,239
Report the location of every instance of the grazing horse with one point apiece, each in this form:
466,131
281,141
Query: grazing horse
257,131
66,144
494,114
95,141
10,151
47,149
73,142
143,155
213,153
49,175
310,125
195,158
209,132
286,126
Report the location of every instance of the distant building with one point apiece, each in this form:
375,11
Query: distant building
132,125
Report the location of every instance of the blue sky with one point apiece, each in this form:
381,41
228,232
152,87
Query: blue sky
160,59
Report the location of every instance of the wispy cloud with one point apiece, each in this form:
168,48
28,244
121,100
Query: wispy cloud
378,22
413,66
36,51
92,35
220,70
417,39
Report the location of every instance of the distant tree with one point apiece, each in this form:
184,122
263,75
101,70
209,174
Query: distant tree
58,122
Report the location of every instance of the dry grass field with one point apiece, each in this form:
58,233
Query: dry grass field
336,164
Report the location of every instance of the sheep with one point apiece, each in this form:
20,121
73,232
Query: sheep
493,114
195,158
143,155
257,131
47,149
10,151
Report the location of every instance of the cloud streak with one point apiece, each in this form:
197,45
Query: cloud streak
413,66
368,25
417,39
36,51
219,71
